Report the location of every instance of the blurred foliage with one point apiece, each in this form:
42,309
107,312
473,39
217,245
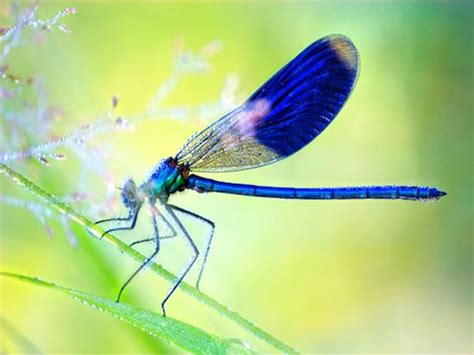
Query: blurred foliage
358,276
168,329
91,229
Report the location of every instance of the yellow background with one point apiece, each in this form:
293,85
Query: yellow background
324,276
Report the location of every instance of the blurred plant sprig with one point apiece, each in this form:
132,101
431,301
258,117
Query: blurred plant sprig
28,135
28,131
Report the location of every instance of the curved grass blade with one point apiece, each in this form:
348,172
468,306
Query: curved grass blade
96,231
24,344
180,334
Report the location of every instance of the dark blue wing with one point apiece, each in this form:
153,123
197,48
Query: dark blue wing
283,115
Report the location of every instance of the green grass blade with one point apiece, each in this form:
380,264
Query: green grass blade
96,231
173,331
24,344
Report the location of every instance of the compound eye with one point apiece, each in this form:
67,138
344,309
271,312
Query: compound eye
125,199
129,194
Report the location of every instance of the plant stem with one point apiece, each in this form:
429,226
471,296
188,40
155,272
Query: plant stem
96,231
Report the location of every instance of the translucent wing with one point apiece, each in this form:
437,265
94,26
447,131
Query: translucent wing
283,115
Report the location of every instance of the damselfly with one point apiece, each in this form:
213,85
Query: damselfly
281,117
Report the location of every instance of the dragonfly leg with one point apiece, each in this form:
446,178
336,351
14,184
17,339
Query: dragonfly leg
147,240
209,238
141,241
132,216
170,226
114,219
172,235
191,261
156,238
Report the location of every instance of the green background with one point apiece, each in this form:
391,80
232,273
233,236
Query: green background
325,276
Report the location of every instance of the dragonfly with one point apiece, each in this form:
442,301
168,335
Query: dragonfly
281,117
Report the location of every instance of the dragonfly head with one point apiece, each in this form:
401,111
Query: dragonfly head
131,196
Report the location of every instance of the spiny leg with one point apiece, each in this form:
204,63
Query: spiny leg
114,219
189,264
154,213
141,241
209,240
132,216
173,234
147,240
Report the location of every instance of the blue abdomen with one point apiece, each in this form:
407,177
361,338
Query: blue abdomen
201,184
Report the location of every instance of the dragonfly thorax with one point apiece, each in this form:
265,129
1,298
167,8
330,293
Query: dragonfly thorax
165,179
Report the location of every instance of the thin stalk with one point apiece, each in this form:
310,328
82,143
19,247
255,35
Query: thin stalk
96,231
